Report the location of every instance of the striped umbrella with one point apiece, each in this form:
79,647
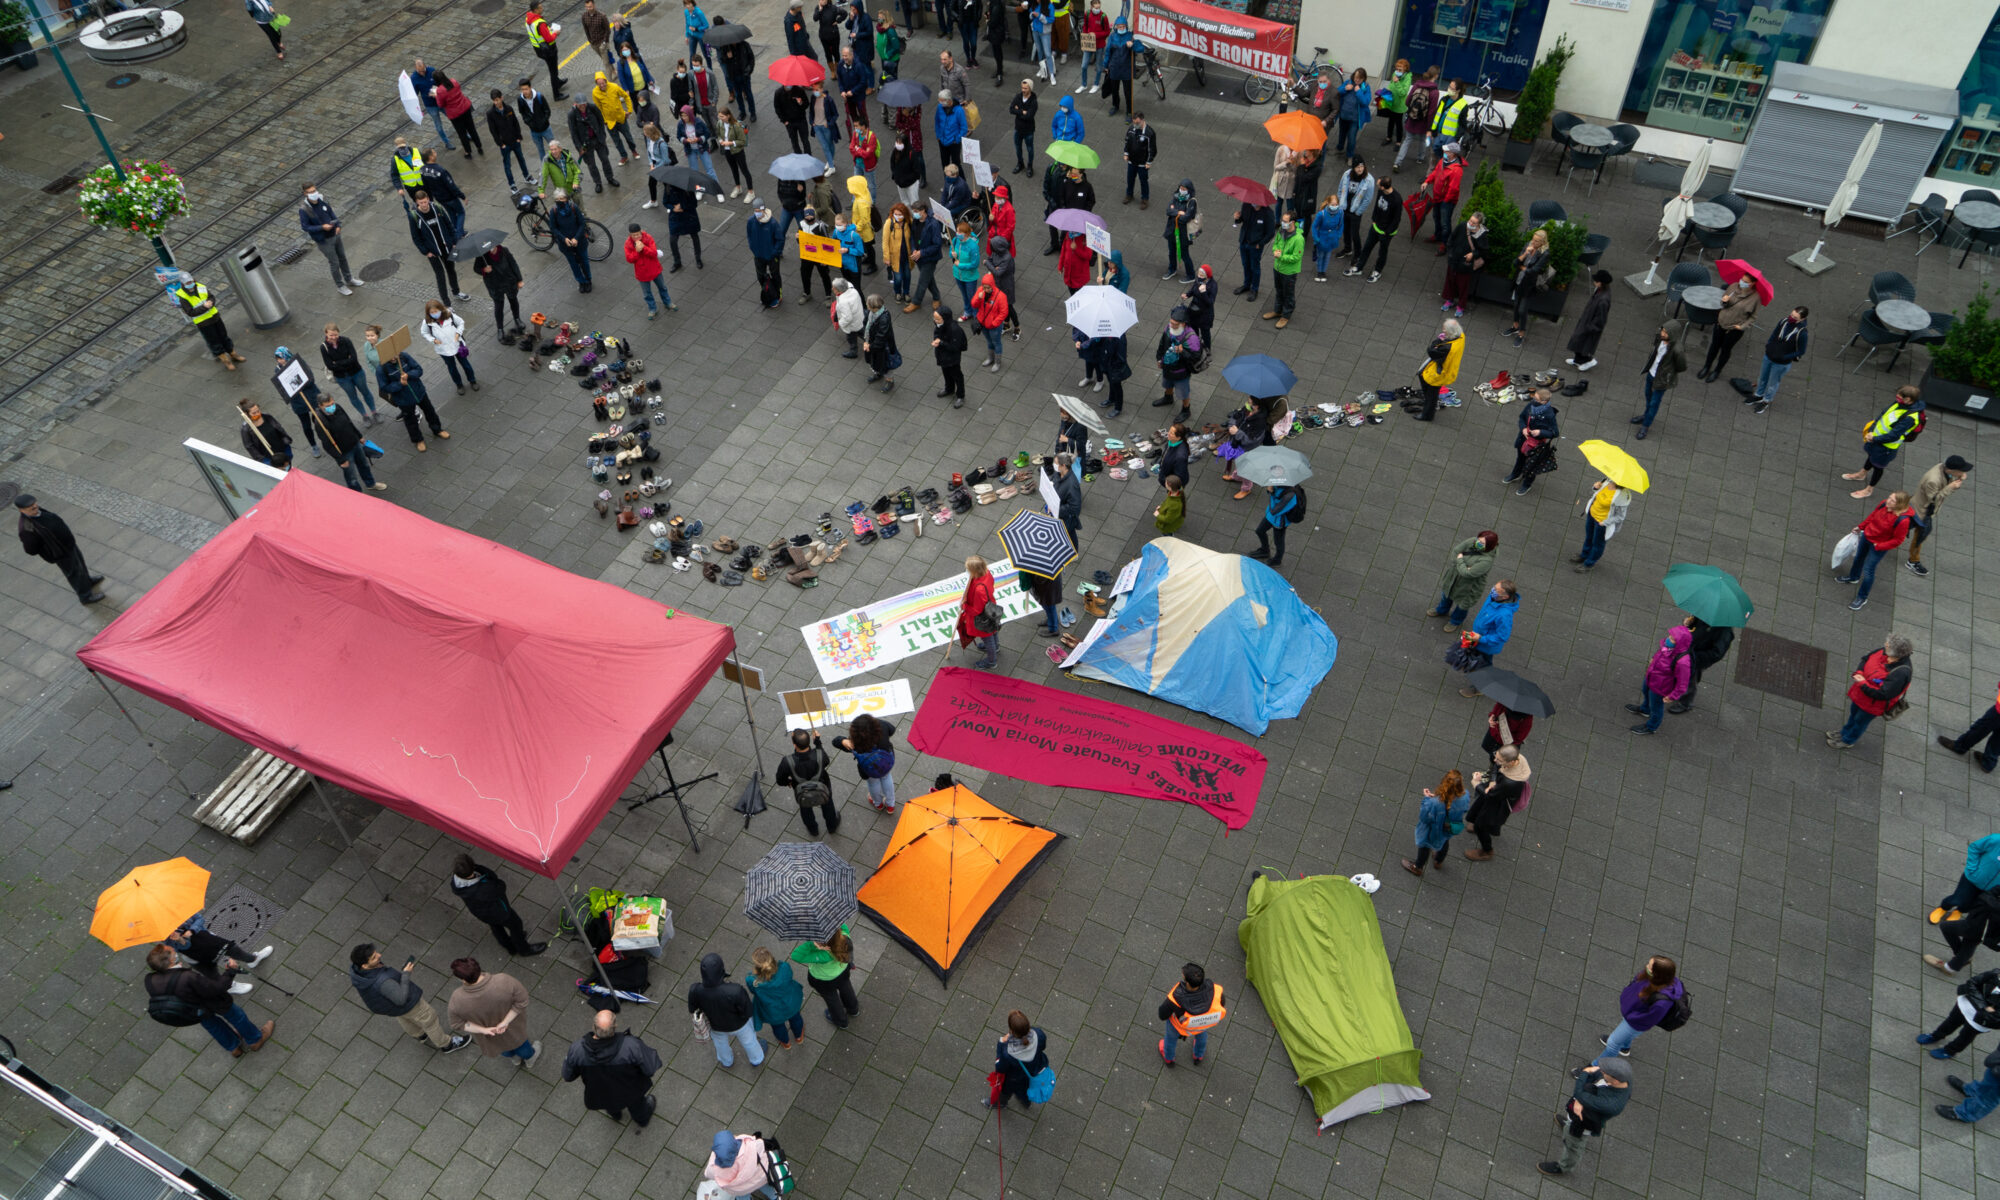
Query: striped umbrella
1038,544
802,890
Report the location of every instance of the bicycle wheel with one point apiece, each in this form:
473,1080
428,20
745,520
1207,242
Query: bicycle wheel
534,231
1259,90
1159,79
598,239
1491,121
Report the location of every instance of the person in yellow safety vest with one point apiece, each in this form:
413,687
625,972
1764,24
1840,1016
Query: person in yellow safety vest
1191,1010
1450,109
406,166
1059,29
200,309
1885,435
542,39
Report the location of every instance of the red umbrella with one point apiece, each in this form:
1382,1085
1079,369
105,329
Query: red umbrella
796,71
1733,269
1247,190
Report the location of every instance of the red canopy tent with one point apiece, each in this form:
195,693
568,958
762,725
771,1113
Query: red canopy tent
456,681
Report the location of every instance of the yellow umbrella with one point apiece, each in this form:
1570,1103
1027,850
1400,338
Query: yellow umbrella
149,903
1616,465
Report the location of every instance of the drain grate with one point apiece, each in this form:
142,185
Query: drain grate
1781,667
291,256
380,269
62,183
121,81
242,916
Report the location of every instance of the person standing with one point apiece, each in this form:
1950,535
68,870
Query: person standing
871,741
1590,325
1874,688
1491,630
596,30
1142,146
1663,369
46,536
737,1164
572,235
1288,253
1709,644
402,384
1668,675
1171,512
1505,727
979,613
502,276
1094,36
776,997
810,223
1174,455
201,311
1653,993
1938,485
1356,191
1069,495
392,993
445,331
878,343
1465,258
542,40
683,221
592,140
1438,813
1255,225
949,125
1465,577
1018,1058
830,970
505,129
1969,909
805,771
614,105
1357,104
432,233
727,1007
1422,102
1442,185
485,897
697,27
319,222
617,1070
1328,223
264,436
1529,266
444,192
1885,435
1601,518
1286,508
767,248
1023,108
346,443
343,362
1121,64
457,108
1192,1009
1385,218
1495,797
1440,369
490,1007
1601,1092
1986,726
1739,306
989,312
208,998
644,255
1782,350
947,346
1881,531
536,115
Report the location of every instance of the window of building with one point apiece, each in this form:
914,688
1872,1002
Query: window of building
1972,153
1704,64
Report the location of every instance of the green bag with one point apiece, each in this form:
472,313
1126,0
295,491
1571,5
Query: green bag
777,1168
280,21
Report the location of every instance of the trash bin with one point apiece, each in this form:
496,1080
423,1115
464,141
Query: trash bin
256,289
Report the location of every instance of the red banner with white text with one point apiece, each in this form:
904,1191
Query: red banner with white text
1057,739
1249,44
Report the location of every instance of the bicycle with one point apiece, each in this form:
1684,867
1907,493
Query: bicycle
1156,74
533,225
1299,88
1481,117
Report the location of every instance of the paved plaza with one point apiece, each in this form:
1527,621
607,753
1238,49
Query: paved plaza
1789,880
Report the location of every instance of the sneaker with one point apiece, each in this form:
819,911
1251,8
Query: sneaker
1605,1041
650,204
1374,275
1582,366
1171,273
1555,1168
344,290
534,1052
1916,568
1352,271
1163,1053
258,958
354,283
1858,604
1570,361
240,988
1763,406
315,450
458,1042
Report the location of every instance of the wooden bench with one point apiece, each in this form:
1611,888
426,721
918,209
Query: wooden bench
251,797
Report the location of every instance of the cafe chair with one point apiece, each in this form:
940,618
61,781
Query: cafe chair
1929,217
1594,246
1683,277
1941,323
1877,335
1559,127
1978,237
1541,212
1888,285
1587,159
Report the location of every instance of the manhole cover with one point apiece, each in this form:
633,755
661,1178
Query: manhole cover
488,6
242,916
380,269
121,81
1781,667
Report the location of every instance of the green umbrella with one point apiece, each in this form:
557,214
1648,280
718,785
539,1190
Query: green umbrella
1710,593
1073,154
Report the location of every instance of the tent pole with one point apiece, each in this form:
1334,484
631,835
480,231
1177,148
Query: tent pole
576,914
328,805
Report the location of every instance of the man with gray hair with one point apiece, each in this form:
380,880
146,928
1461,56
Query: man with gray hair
1875,687
617,1071
1601,1092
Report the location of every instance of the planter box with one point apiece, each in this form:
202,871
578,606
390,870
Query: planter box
21,54
1498,289
1516,155
1983,403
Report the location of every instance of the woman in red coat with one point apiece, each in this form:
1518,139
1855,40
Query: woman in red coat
458,110
1074,265
978,598
1000,223
1881,531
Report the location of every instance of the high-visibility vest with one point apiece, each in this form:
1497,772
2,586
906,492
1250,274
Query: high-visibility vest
197,301
1201,1022
1059,9
1448,115
410,170
1885,423
536,37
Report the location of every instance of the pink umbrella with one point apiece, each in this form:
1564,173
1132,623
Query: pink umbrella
1733,269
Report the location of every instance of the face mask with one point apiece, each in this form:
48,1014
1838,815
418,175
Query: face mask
628,54
313,196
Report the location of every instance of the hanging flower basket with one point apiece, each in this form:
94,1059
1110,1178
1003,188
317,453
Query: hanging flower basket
149,196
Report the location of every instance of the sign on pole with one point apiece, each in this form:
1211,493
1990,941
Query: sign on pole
1098,238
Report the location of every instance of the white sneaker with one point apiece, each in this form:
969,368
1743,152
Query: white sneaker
1079,89
650,204
1084,382
735,191
1374,275
1570,361
1094,87
1585,366
1098,386
260,957
239,988
344,290
354,283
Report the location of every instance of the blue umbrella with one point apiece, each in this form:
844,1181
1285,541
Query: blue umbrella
797,167
1038,544
1259,375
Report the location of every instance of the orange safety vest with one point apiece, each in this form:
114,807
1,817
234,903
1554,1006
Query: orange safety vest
1188,1025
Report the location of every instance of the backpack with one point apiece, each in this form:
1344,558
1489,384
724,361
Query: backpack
810,790
1917,431
777,1168
169,1009
1680,1014
875,763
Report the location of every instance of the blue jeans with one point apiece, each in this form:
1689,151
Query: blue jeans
1024,151
1593,540
993,341
437,121
790,1029
1441,220
541,137
882,791
232,1029
1653,397
1621,1037
1055,618
1143,176
1093,60
1043,54
701,160
357,465
740,91
579,262
1858,720
990,644
747,1036
1322,255
699,49
1350,137
524,1051
1655,706
1862,567
453,364
1253,265
899,283
1768,380
358,395
965,289
1982,1096
1445,605
646,289
829,137
1173,1039
789,218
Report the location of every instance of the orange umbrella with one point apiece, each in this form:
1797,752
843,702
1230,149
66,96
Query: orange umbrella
1296,130
149,903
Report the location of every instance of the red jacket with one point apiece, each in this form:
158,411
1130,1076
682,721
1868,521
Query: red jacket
1098,26
864,148
1074,262
989,303
978,594
644,255
1001,222
451,98
1444,180
1886,530
1882,678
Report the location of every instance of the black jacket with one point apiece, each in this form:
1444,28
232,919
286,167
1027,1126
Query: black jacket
906,166
586,127
1075,193
790,105
725,1004
950,338
1174,461
536,113
280,442
340,357
617,1071
1388,214
566,222
1493,802
210,993
1142,146
430,232
339,431
47,537
737,60
1709,644
1787,342
1024,109
441,186
498,268
1463,243
1069,493
1599,1102
797,39
827,17
485,897
795,766
503,125
1254,224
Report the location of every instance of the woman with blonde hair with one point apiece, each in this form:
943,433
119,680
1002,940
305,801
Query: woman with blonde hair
830,970
899,250
1528,267
1440,814
979,613
776,997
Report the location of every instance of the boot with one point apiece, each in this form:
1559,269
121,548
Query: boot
226,361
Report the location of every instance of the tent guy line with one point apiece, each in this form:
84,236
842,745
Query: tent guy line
505,806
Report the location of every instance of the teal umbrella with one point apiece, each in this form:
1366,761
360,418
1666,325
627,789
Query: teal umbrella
1710,593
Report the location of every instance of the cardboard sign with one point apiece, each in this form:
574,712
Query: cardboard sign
968,150
743,673
293,378
983,172
816,249
942,213
394,343
1098,238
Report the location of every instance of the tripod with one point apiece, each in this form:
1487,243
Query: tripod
674,788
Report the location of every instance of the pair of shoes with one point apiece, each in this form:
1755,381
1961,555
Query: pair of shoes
1833,741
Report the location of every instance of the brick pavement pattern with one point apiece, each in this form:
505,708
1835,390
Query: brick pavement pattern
1789,881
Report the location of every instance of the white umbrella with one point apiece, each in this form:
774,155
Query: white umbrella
407,93
1101,311
1674,217
1850,186
1084,411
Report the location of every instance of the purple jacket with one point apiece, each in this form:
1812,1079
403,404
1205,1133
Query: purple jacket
1667,675
1643,1014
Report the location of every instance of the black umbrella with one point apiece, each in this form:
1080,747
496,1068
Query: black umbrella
801,890
1512,691
724,34
686,179
903,93
476,243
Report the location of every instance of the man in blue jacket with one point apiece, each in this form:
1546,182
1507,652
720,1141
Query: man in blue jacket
930,248
1493,627
948,122
317,219
767,246
572,237
1121,59
393,993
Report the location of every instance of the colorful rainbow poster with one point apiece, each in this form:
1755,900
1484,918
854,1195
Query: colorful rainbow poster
922,619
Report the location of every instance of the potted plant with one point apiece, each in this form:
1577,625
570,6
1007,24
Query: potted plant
14,41
1536,104
1504,236
1964,374
140,204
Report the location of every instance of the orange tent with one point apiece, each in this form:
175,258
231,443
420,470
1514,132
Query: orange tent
952,862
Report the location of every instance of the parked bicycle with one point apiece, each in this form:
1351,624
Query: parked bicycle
1481,118
1299,88
1155,74
533,226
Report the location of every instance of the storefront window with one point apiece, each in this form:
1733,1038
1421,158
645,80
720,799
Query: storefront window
1705,64
1972,153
